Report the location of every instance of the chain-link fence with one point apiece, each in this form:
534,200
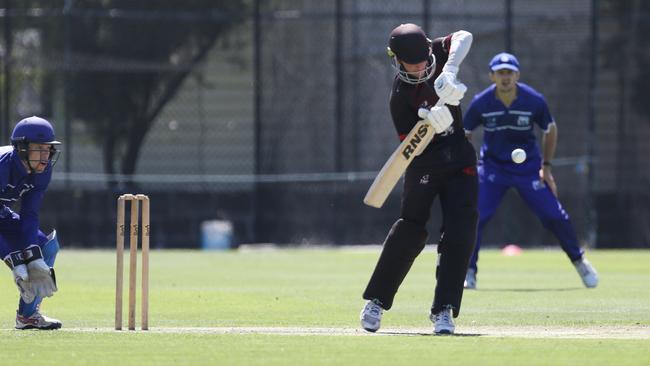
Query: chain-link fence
274,114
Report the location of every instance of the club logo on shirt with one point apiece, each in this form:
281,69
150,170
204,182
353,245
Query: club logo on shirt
424,179
523,121
12,194
26,188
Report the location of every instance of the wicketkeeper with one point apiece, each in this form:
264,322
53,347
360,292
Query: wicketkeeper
426,73
25,172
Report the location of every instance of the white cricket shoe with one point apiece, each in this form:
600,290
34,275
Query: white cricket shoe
587,272
371,316
443,321
37,321
470,279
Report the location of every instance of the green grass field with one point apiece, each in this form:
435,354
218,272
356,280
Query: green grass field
301,307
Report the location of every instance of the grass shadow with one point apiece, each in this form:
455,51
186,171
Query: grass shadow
564,289
411,333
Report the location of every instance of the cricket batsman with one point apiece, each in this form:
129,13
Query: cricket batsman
25,172
446,169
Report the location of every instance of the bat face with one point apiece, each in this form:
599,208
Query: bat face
415,141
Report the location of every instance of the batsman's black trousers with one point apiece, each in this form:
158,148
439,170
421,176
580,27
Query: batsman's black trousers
457,187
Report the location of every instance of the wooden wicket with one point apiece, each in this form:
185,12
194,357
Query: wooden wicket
139,228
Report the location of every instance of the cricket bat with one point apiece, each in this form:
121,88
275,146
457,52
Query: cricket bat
413,145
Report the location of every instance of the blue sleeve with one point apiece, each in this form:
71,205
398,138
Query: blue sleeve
544,117
29,208
472,118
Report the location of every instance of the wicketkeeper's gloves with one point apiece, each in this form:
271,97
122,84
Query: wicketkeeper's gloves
15,261
41,276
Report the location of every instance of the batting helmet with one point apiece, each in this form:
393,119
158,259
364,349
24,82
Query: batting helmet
408,43
34,129
37,130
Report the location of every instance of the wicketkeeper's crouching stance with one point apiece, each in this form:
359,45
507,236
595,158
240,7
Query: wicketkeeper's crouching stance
25,172
446,168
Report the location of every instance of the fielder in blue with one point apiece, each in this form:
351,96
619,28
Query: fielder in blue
25,172
509,111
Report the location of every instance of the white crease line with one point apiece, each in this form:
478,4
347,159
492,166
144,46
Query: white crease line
616,332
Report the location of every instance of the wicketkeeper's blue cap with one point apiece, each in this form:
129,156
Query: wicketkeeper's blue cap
504,61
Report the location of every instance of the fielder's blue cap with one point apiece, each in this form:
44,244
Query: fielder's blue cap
504,61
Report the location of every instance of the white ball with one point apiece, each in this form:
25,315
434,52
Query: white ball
518,156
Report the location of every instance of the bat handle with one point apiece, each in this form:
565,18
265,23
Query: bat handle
423,112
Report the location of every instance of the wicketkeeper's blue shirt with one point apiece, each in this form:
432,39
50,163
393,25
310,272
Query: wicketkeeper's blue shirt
508,128
17,184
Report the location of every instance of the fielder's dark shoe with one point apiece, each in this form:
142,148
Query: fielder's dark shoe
37,321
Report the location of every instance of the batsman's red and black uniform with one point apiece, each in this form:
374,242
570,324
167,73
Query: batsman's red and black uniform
446,169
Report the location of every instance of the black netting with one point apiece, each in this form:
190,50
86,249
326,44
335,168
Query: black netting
274,115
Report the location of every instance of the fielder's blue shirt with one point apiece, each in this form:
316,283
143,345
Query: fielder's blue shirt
508,128
17,184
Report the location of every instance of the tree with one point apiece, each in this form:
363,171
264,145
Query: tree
128,59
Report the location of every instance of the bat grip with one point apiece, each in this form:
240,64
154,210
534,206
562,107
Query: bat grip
422,112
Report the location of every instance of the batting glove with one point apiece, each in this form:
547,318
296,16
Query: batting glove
14,260
439,117
449,90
